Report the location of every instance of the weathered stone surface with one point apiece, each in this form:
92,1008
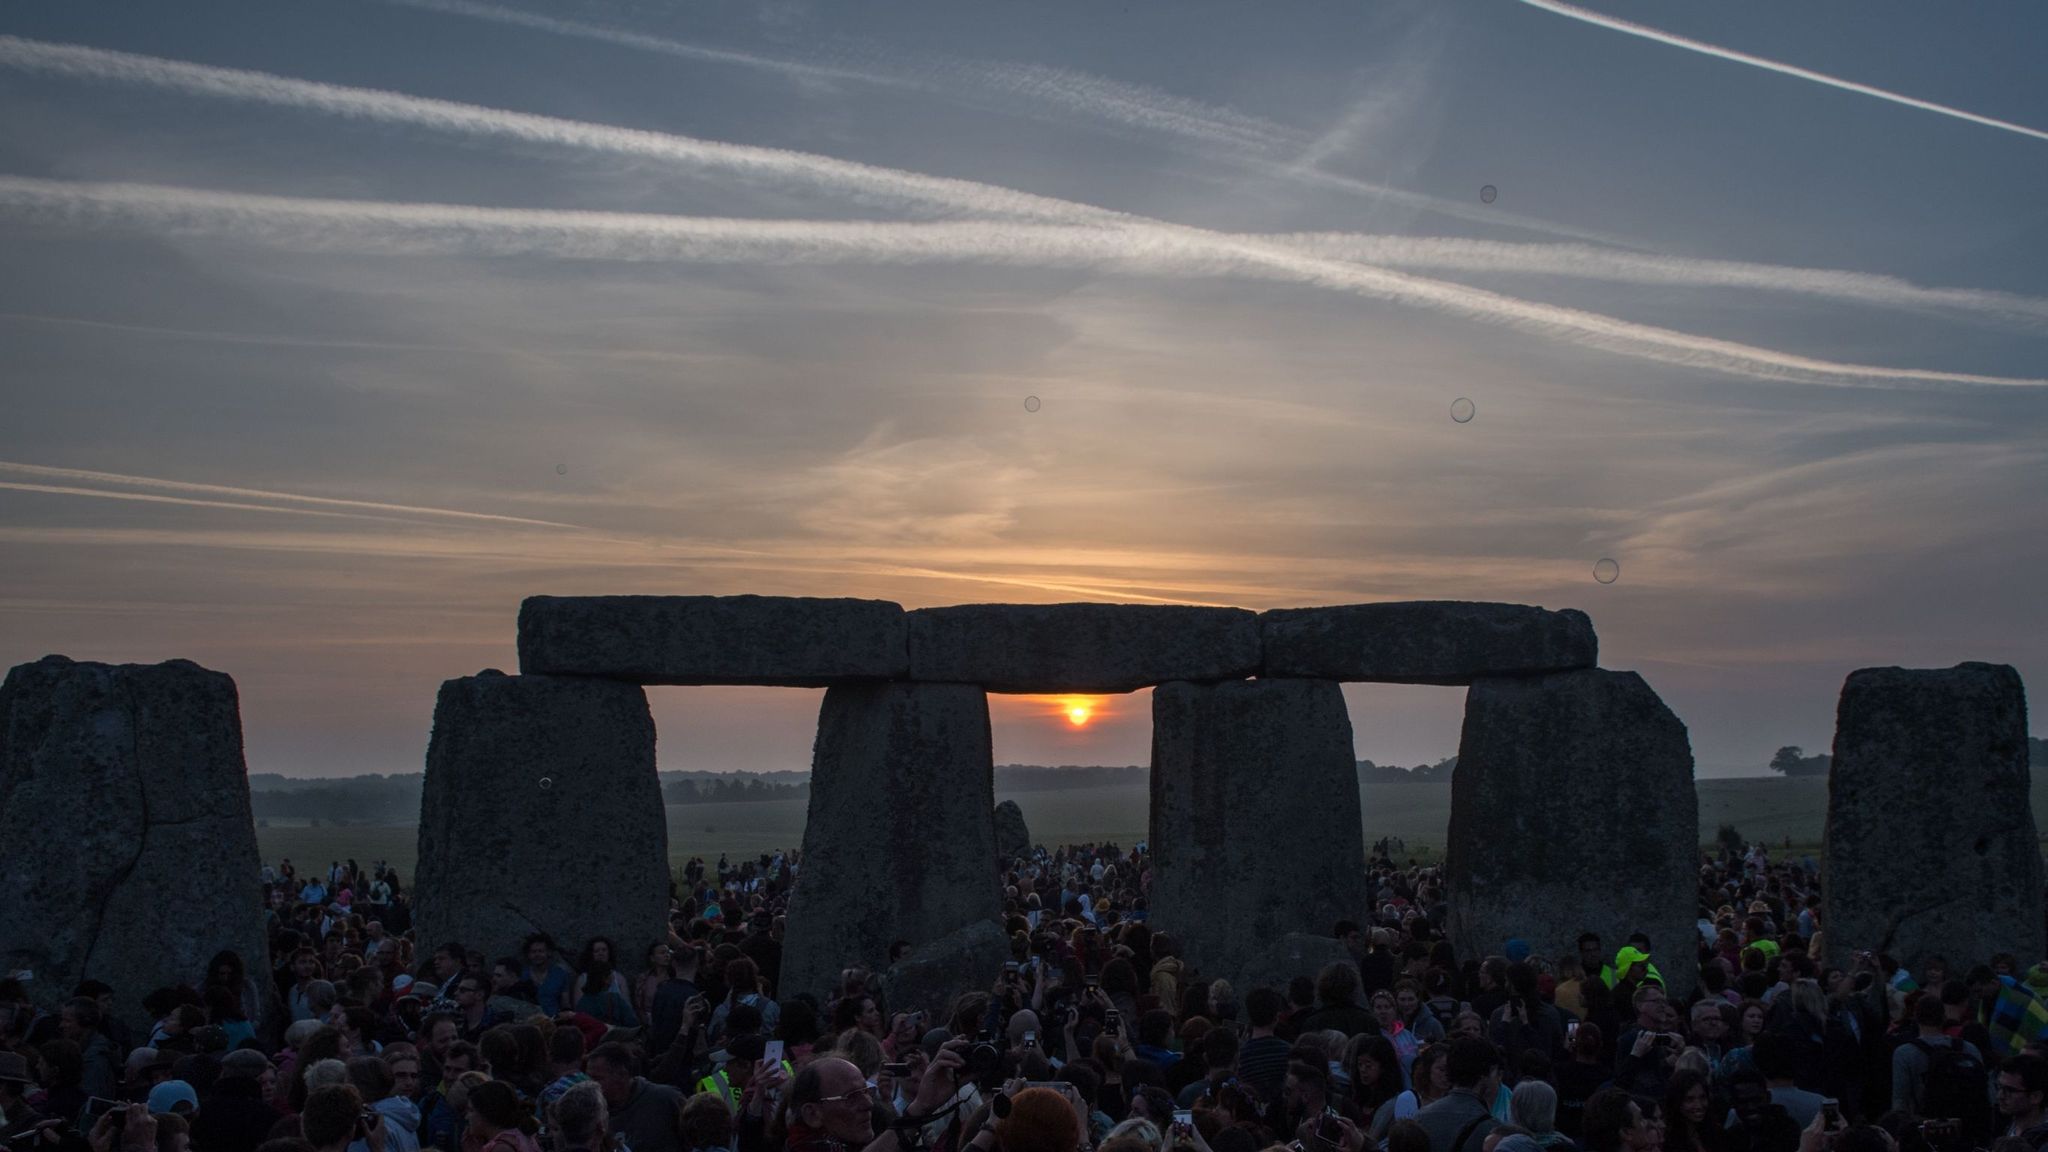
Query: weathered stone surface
1931,845
1080,647
1013,837
791,641
1425,641
900,843
1255,823
1294,954
1572,810
541,810
124,812
930,976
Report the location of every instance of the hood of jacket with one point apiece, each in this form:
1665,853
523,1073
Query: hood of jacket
400,1111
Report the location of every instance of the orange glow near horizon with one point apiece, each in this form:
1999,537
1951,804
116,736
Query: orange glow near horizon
1075,714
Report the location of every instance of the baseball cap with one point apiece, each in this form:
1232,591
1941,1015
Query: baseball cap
166,1097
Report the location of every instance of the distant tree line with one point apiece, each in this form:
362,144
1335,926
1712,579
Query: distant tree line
1437,773
1792,760
1044,778
731,789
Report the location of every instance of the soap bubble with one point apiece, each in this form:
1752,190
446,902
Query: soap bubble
1031,403
1606,571
561,469
1463,410
547,782
1487,194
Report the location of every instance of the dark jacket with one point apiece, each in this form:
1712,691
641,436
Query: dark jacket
233,1116
1460,1111
651,1119
1349,1019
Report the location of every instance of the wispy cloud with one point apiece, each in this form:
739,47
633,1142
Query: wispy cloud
1601,20
244,499
1128,245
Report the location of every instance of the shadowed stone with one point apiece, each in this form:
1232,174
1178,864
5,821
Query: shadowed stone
931,975
1293,954
900,838
540,811
787,641
124,811
1255,823
1931,845
1080,647
1425,641
1013,837
1572,810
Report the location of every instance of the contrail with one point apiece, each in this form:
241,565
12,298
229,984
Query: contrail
1579,261
795,69
1140,247
1676,41
1230,137
218,491
1110,101
890,186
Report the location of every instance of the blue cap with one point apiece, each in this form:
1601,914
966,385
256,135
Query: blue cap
165,1098
1517,950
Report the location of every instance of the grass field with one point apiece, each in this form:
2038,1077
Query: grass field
1769,809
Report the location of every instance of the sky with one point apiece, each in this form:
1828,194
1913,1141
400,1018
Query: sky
333,330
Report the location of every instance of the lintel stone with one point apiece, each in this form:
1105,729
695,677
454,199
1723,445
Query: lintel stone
1450,642
781,641
1091,648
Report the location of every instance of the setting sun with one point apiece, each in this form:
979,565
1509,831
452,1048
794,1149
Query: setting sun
1077,714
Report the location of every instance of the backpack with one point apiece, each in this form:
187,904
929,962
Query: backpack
1957,1086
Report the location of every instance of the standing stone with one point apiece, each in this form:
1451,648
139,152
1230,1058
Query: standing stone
1572,810
124,811
1256,830
900,843
1425,641
1013,837
541,811
785,641
1931,846
1081,647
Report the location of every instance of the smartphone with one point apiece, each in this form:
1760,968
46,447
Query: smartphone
1831,1109
1182,1117
773,1055
897,1070
98,1106
1112,1024
1092,980
1011,967
1030,1039
1571,1031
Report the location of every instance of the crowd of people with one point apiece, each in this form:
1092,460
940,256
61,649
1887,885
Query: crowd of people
1097,1035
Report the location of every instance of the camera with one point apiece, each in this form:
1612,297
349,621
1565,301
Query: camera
984,1060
